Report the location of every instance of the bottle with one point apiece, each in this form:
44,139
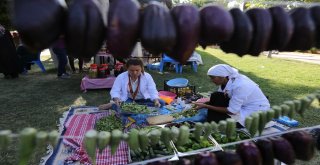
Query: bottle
102,71
93,72
107,70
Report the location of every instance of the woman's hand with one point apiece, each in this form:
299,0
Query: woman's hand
105,106
199,105
157,103
117,101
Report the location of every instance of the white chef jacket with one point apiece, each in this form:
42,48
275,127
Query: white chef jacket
147,87
245,98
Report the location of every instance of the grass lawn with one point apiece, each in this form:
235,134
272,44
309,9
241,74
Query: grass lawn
39,99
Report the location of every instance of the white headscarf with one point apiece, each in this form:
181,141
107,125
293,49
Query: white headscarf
223,70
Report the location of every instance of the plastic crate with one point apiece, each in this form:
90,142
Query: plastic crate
180,91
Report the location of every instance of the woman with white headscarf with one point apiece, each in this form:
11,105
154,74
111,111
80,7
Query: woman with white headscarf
237,96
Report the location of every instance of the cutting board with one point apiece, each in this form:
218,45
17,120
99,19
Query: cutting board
160,119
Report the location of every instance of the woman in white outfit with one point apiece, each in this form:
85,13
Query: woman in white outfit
135,85
237,97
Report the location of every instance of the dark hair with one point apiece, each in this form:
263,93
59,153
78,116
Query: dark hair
135,61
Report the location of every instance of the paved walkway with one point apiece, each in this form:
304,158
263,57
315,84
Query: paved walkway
305,57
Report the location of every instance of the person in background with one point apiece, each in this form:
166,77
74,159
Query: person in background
16,38
10,62
135,85
237,96
59,50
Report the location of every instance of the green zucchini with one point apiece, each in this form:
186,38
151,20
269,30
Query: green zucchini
53,138
248,122
143,140
297,104
184,133
104,139
270,115
262,121
174,133
5,139
304,105
207,129
90,144
154,136
27,145
291,104
166,136
125,137
231,128
255,124
116,136
198,131
222,126
285,109
277,111
134,139
41,139
214,126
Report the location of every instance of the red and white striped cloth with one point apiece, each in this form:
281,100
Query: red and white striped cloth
77,126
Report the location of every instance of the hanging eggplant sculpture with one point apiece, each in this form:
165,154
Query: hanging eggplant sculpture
123,27
85,28
303,144
228,158
187,36
38,22
216,25
282,29
283,150
158,33
249,153
315,14
266,149
303,37
262,25
242,35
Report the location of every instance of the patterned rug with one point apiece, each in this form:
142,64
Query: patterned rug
73,125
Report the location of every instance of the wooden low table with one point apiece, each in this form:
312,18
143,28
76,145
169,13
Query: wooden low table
96,83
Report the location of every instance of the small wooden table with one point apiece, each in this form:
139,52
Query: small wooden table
96,83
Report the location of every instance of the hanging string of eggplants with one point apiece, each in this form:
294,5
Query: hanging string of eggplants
142,140
176,31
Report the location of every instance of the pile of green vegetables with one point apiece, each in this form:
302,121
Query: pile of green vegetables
134,108
185,113
109,123
222,139
193,144
152,152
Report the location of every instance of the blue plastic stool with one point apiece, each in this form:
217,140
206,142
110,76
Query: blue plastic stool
39,63
193,64
166,59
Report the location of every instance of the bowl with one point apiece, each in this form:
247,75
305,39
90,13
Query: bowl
167,94
178,82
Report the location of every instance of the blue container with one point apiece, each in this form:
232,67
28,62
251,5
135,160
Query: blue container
178,82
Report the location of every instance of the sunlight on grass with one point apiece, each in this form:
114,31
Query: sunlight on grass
80,101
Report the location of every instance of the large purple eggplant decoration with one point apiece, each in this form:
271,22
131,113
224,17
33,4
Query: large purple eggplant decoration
187,23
